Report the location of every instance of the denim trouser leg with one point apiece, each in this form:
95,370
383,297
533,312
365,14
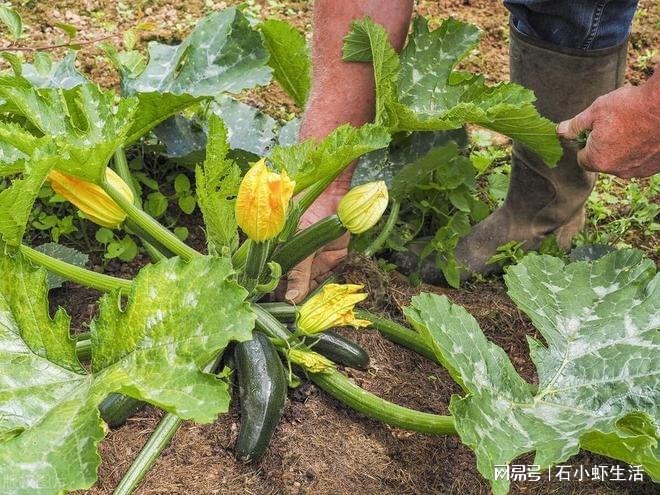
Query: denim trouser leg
576,24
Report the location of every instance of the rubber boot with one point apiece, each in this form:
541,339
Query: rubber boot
543,200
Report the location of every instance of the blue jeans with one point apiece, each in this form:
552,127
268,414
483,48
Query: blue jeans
577,24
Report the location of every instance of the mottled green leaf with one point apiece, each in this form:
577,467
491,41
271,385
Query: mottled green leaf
62,253
386,164
248,128
222,54
310,161
47,74
217,184
420,90
178,316
84,119
17,200
599,368
289,58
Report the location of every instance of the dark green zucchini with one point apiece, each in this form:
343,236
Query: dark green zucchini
339,349
117,408
262,391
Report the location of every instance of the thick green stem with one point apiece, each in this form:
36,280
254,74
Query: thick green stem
157,442
239,258
347,392
121,167
315,190
308,241
255,264
398,334
354,396
82,276
379,241
154,229
159,439
84,350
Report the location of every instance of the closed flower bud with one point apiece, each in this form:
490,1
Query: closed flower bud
363,206
332,307
89,198
310,361
262,202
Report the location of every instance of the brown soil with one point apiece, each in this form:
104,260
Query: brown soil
320,446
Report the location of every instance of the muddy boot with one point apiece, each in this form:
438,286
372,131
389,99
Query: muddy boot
543,200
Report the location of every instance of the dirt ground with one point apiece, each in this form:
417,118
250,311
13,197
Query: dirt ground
320,446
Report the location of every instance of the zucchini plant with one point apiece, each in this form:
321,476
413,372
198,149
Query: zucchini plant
176,334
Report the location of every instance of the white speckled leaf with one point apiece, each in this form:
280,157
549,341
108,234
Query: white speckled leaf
222,54
387,164
599,375
420,91
61,74
178,317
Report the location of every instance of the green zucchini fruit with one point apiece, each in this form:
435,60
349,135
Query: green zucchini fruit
339,349
117,408
262,391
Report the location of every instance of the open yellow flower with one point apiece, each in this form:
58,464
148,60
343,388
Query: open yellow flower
363,206
310,361
90,198
332,307
262,202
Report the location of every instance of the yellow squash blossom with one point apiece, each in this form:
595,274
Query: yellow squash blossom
90,198
363,206
332,307
310,361
262,202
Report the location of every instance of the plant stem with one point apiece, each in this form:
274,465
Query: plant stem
354,396
398,334
308,241
159,439
387,328
239,258
254,266
122,169
379,241
82,276
84,349
157,442
154,229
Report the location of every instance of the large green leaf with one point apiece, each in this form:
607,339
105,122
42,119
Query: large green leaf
17,200
289,58
178,317
217,184
310,161
386,164
599,368
222,54
251,133
420,90
84,119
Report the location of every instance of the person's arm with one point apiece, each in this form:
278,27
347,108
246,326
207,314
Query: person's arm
341,93
624,125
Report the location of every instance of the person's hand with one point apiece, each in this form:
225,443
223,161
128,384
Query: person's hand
310,272
624,137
